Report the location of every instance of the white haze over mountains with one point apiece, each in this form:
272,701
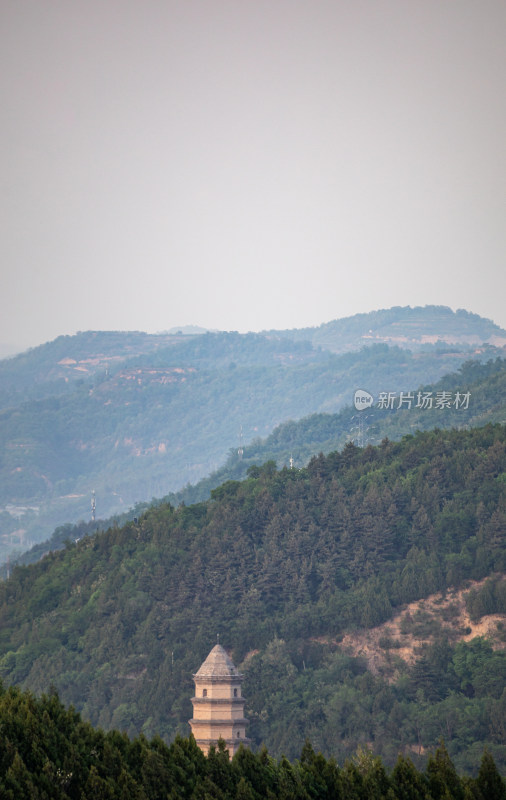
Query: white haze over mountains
246,166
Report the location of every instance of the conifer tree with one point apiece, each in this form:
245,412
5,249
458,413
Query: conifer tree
489,782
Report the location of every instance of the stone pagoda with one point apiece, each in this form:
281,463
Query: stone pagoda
218,707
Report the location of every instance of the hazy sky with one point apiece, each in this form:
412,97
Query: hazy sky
248,165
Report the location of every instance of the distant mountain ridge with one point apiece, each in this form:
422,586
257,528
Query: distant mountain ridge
296,441
405,326
54,367
136,415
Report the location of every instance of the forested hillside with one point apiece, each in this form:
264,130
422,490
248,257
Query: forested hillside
142,428
57,367
282,565
300,440
403,325
49,752
54,368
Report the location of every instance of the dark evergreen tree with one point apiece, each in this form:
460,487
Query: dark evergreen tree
489,782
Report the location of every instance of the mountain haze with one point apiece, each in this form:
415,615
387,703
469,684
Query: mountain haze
295,442
414,328
133,415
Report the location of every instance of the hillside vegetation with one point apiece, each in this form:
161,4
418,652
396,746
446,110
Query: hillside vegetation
49,752
453,615
282,566
55,367
133,415
406,326
300,440
153,426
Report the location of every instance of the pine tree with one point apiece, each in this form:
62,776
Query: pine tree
489,781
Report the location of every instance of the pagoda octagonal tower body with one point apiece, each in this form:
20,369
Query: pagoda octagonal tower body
218,706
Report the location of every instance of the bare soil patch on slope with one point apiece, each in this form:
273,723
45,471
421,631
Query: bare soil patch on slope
402,638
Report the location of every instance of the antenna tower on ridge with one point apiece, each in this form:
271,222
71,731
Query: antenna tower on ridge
93,505
360,432
361,428
240,449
